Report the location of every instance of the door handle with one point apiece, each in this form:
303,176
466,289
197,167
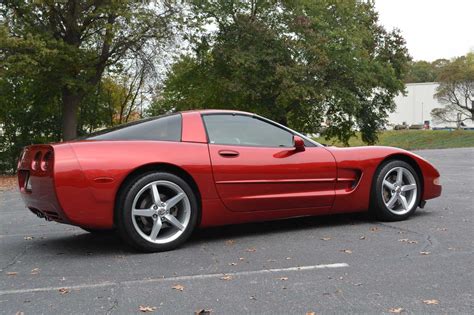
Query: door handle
228,153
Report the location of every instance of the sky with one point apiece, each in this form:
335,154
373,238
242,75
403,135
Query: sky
433,29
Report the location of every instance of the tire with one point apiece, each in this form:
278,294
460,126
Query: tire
395,198
155,220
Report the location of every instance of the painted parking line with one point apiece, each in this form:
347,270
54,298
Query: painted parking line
177,278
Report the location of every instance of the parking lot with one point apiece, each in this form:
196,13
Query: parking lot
330,264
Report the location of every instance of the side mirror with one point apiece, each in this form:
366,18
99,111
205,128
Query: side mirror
298,143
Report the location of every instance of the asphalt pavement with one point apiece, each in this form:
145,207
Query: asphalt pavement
326,265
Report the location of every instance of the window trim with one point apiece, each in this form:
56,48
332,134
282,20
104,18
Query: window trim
133,123
263,119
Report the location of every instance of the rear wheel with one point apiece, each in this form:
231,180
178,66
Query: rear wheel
396,191
157,212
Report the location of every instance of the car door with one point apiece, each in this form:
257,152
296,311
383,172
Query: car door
256,166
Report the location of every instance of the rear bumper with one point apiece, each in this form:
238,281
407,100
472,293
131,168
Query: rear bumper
41,198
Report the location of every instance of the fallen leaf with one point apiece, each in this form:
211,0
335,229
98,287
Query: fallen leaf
12,273
230,242
28,238
251,250
347,251
374,229
203,312
227,278
35,271
63,291
283,278
406,240
232,264
325,238
310,313
178,287
19,313
146,309
362,237
396,310
241,258
431,302
425,253
288,258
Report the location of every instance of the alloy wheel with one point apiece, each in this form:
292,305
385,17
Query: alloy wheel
161,211
399,190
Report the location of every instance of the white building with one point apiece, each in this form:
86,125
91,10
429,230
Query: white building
415,107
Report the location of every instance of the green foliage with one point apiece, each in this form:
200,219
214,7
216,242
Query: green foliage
73,42
424,71
298,62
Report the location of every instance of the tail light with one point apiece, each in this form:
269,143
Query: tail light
36,163
46,161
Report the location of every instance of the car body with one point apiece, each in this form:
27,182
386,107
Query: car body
79,182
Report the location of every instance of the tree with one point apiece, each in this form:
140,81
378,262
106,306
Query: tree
298,62
424,71
456,91
73,42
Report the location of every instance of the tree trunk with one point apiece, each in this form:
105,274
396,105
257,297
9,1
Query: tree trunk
70,106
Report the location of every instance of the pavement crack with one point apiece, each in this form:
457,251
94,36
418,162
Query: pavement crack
399,228
428,243
16,258
114,302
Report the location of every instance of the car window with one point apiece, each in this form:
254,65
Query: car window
245,131
165,128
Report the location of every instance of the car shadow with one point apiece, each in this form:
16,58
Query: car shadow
87,244
287,225
277,227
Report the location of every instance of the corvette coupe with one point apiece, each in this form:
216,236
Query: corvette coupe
156,180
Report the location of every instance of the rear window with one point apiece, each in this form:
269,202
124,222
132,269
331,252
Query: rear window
165,128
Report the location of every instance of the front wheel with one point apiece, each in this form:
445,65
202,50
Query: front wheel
396,191
157,212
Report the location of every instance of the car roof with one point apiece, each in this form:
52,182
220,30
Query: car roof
217,111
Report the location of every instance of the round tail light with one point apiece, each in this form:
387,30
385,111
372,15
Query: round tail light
35,165
46,162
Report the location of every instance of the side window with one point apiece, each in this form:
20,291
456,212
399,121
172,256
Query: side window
166,128
245,131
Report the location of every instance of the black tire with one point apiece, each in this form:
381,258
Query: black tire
125,224
378,207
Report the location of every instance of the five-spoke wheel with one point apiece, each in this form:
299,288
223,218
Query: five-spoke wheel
395,193
158,212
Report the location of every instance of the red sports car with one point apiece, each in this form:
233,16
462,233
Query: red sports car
158,179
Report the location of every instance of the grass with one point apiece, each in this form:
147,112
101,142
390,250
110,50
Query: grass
415,139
